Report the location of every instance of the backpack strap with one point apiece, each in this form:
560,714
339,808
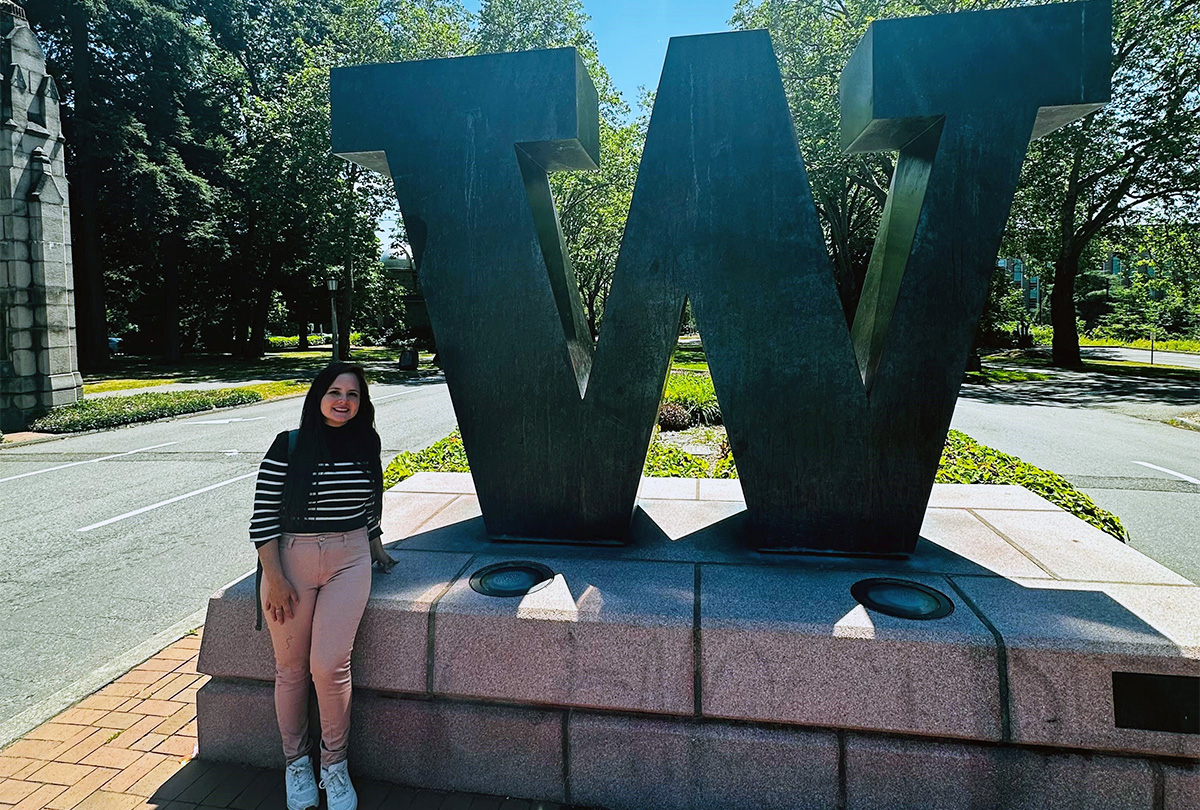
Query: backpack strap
293,437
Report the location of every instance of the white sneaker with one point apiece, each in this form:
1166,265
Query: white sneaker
301,785
339,793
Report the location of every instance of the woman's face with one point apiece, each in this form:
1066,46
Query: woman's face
340,403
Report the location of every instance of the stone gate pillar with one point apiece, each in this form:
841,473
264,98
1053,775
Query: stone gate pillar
38,364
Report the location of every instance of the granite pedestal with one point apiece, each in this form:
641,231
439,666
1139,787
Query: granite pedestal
684,670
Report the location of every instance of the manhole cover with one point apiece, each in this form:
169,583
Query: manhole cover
901,598
515,578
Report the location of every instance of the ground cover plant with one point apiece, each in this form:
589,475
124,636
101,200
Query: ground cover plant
108,412
964,461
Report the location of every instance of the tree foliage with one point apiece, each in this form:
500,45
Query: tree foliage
206,203
1133,161
198,135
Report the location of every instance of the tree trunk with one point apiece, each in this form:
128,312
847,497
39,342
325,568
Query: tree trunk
345,305
262,306
241,322
302,336
1065,347
170,298
91,319
258,322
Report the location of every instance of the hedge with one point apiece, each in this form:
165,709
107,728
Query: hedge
277,343
107,412
964,461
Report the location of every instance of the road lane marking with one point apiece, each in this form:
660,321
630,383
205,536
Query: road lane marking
88,461
389,396
168,501
1195,481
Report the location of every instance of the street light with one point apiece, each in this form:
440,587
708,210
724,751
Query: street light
332,283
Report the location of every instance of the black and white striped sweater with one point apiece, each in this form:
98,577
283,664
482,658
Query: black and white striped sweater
342,498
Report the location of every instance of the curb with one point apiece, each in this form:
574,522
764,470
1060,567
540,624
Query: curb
18,726
56,436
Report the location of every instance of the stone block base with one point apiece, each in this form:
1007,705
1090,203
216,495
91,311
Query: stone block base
624,762
684,670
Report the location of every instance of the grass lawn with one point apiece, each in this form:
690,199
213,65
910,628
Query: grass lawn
105,386
1119,368
287,373
691,358
991,376
1167,345
134,372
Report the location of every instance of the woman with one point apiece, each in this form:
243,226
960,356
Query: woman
317,508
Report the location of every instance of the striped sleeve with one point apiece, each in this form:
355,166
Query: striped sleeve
265,522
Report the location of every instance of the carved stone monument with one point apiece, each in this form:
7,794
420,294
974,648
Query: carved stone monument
836,433
640,644
38,365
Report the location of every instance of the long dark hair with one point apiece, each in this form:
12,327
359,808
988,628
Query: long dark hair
311,449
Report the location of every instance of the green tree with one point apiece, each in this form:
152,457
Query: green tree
136,113
1136,157
813,42
1133,160
592,206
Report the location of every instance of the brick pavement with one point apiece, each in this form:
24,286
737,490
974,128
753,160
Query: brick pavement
131,745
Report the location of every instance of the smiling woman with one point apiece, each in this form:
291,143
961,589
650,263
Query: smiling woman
340,403
316,517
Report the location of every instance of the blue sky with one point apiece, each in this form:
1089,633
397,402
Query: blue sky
632,35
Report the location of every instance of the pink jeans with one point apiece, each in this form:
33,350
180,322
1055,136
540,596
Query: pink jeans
332,576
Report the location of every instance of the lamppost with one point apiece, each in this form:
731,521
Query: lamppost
332,283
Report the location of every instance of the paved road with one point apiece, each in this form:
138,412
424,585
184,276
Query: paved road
1099,433
85,575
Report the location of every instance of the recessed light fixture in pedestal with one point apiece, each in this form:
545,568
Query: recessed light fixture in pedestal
901,598
513,578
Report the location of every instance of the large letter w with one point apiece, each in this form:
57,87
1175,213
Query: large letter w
836,432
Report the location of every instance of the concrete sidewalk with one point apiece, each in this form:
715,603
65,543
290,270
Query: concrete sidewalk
132,745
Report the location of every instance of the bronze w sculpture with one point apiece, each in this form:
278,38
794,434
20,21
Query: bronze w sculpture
836,431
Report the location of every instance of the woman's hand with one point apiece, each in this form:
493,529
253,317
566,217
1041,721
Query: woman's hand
380,557
279,598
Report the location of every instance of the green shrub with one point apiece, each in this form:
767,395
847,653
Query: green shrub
673,416
966,461
694,392
107,412
283,343
229,397
444,455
